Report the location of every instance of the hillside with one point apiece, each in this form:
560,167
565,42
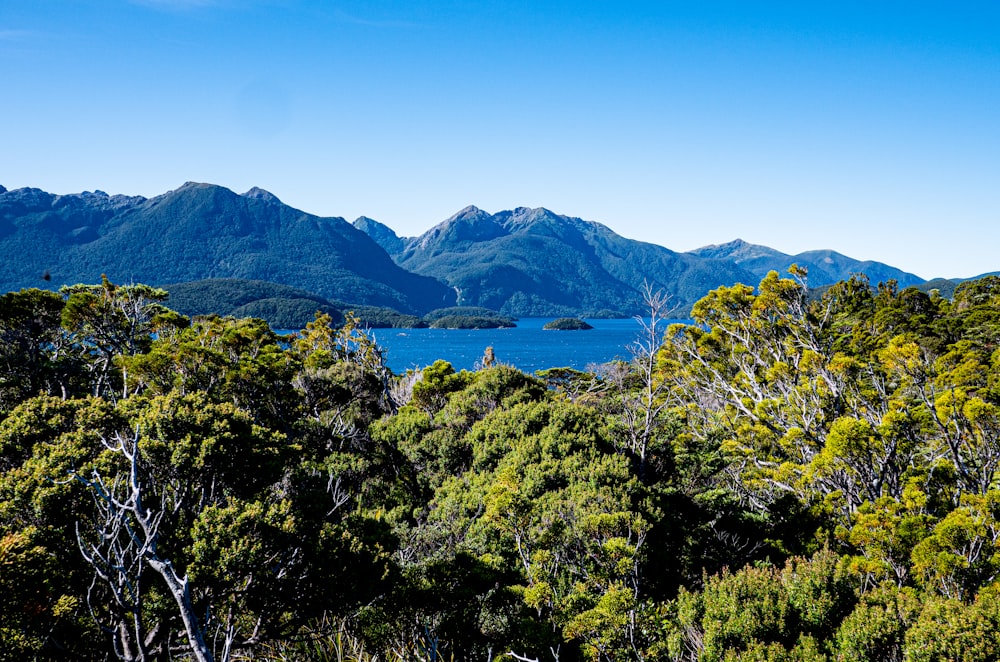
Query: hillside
533,262
382,234
524,262
196,232
825,267
282,306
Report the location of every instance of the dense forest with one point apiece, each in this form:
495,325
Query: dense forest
788,477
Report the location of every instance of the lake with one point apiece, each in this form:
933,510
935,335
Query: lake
528,347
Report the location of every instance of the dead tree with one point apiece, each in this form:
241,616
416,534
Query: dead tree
122,545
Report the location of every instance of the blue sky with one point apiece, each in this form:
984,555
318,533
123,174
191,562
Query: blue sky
869,128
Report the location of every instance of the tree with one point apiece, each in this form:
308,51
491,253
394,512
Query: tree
784,611
961,554
126,542
576,543
949,629
758,368
32,347
640,403
41,441
875,630
196,483
106,321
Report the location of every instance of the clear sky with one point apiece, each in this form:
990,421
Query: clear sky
872,128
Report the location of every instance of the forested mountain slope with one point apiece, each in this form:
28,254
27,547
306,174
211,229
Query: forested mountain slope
524,262
825,266
534,262
282,306
195,232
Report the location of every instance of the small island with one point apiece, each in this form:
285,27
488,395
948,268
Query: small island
567,324
472,322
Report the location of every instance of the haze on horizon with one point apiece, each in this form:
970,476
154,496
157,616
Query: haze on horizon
869,130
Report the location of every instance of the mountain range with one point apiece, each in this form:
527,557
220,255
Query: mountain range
533,262
195,232
522,262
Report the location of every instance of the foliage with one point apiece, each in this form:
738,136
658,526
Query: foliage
374,317
471,322
788,478
567,324
762,607
30,342
200,231
283,307
465,311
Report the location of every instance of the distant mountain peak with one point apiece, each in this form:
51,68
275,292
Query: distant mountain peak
532,213
737,250
2,190
368,225
534,262
735,244
381,233
470,213
257,193
87,195
221,235
470,224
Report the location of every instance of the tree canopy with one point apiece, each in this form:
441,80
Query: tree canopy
787,477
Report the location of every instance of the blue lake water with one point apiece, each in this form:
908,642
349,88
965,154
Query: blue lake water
527,347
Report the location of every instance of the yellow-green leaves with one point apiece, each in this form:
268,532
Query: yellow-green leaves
963,551
949,629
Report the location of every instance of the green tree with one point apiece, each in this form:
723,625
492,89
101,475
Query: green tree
962,552
547,496
106,321
787,613
32,358
876,629
41,442
949,629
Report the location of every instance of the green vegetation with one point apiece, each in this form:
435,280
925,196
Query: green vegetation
468,317
471,322
466,311
375,317
535,263
283,307
200,231
606,314
567,324
786,478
